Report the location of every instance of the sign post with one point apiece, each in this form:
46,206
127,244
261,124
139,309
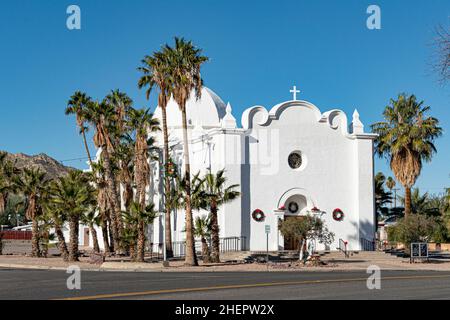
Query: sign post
267,229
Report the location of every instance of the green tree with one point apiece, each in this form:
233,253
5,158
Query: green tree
74,196
32,183
406,138
216,194
202,229
155,73
77,105
308,228
141,122
185,61
136,219
102,116
382,198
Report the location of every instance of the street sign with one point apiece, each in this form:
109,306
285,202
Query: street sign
267,228
419,250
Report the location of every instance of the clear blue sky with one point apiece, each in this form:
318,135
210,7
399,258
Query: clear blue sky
258,50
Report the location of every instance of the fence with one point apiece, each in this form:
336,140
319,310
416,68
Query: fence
15,235
367,245
229,244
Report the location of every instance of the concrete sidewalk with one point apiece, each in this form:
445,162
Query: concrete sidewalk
334,262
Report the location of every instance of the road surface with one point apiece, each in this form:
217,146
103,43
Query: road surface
36,284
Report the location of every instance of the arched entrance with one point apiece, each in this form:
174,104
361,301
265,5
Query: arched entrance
294,204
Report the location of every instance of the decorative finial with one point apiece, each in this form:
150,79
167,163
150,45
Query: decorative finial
357,126
229,121
294,92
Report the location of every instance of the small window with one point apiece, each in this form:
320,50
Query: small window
295,160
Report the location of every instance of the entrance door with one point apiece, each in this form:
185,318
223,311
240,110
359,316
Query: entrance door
292,243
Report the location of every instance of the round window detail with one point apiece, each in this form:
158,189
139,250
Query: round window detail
293,207
295,160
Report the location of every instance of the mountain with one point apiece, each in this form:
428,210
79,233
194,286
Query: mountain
52,167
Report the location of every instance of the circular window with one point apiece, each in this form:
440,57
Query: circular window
293,207
295,160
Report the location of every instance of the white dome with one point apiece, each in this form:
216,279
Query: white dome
206,112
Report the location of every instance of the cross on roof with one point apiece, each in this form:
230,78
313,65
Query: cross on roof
294,92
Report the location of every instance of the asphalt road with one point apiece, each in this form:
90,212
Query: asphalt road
35,284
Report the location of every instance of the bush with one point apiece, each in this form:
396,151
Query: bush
417,228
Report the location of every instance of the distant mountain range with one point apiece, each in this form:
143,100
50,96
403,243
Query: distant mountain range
52,167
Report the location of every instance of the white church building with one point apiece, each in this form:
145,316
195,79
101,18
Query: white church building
289,161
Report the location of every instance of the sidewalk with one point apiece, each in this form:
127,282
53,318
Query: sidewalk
334,262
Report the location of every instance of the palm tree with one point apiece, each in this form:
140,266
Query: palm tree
382,198
422,203
102,204
91,219
137,218
141,122
155,70
58,219
185,61
7,173
77,105
406,138
217,194
202,229
101,116
32,184
74,196
390,183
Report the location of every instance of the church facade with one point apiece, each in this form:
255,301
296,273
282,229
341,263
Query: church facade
289,161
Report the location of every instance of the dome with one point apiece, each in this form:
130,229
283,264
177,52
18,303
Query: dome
207,111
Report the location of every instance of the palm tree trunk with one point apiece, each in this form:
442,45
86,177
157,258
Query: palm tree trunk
111,239
191,257
86,145
114,201
107,249
44,244
61,243
167,223
407,202
205,251
35,253
140,254
94,238
215,256
73,241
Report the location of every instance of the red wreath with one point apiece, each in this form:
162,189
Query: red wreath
338,214
258,215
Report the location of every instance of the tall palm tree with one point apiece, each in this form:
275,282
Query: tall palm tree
101,116
141,123
102,204
185,61
406,138
77,105
155,72
32,184
74,196
217,194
